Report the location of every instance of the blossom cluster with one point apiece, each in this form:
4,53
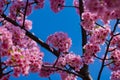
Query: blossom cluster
59,41
22,52
2,4
115,75
57,5
39,4
62,42
109,9
99,35
66,76
90,52
115,55
47,69
115,64
115,42
17,8
75,61
88,22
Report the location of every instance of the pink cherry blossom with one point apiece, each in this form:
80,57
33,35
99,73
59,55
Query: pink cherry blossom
24,60
46,70
92,48
74,61
87,58
70,59
76,4
115,55
39,4
67,76
28,24
99,35
61,62
88,22
93,6
116,42
57,5
5,40
112,4
2,4
115,75
60,41
19,7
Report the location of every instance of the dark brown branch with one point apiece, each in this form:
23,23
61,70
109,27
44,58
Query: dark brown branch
84,70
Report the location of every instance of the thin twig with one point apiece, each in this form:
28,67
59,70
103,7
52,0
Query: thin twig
70,6
25,13
49,78
109,63
8,72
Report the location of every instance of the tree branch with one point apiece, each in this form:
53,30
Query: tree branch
84,69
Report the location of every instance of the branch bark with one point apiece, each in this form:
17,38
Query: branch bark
84,70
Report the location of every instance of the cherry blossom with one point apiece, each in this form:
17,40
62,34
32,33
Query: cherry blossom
76,4
115,75
46,70
2,4
99,35
57,5
18,7
88,22
116,42
87,58
67,76
60,41
115,55
39,4
74,61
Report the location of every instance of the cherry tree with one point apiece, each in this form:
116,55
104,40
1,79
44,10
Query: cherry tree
21,54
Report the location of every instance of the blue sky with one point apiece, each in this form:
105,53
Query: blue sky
46,22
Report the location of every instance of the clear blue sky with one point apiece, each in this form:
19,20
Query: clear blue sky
46,22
